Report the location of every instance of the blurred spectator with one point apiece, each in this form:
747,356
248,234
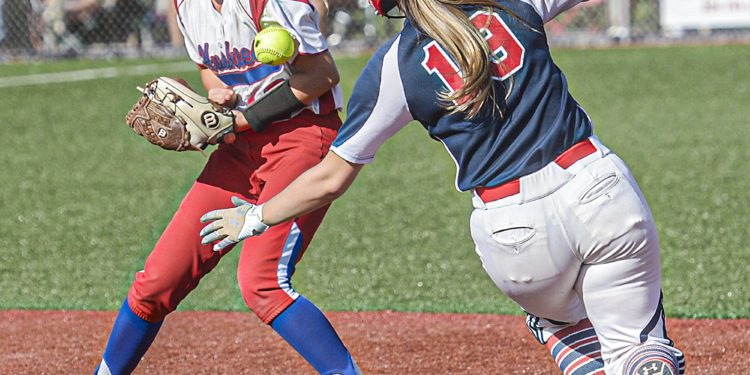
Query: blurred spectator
322,7
16,19
54,31
66,27
160,26
103,21
166,15
2,29
75,23
175,36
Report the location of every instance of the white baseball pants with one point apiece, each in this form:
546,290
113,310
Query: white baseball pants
576,243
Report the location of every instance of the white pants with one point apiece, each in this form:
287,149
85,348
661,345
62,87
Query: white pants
577,243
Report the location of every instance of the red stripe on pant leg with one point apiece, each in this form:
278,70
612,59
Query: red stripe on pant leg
257,270
297,147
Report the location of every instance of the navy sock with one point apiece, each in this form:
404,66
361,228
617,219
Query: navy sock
308,331
130,338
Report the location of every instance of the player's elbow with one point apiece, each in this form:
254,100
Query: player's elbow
329,71
317,69
332,77
333,188
335,77
333,176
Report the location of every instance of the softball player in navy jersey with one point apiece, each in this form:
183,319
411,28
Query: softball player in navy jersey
286,118
559,222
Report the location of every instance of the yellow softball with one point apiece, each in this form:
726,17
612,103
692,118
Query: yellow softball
273,45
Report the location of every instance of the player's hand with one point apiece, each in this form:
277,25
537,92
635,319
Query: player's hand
232,225
226,98
223,97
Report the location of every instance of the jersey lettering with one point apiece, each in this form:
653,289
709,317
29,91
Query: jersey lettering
507,52
436,61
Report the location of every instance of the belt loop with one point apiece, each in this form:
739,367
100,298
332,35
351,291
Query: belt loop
603,150
477,202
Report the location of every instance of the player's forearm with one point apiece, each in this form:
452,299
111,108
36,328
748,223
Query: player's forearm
313,76
277,105
210,80
306,194
240,123
313,189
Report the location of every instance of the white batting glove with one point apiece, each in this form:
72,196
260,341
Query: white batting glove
233,225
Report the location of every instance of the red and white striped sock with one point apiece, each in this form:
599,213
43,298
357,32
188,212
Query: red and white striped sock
576,350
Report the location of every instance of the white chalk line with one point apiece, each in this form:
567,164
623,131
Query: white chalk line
91,74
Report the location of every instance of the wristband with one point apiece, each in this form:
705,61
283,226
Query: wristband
276,105
254,224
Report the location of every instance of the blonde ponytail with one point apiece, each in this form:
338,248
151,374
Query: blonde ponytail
450,27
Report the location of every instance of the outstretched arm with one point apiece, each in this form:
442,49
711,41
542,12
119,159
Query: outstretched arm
374,116
313,189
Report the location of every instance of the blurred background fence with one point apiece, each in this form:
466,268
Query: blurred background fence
137,28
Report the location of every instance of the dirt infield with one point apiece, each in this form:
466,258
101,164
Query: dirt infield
60,342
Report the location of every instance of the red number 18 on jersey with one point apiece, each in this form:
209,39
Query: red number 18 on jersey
507,52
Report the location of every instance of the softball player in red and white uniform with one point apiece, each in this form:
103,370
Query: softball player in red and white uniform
559,221
286,119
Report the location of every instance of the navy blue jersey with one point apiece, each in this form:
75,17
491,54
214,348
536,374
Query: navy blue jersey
537,120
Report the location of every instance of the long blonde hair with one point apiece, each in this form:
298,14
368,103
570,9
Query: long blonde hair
450,27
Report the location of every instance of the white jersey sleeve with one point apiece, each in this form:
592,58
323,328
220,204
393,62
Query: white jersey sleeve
549,9
377,108
301,18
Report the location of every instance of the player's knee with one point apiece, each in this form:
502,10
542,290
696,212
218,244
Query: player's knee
146,306
654,358
151,301
265,298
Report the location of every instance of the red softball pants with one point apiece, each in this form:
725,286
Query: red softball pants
256,167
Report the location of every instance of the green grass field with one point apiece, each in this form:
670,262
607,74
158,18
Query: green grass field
84,199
